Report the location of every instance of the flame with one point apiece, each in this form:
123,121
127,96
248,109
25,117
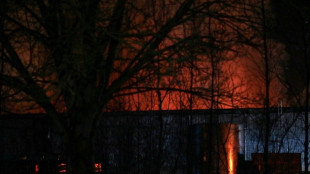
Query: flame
231,150
230,161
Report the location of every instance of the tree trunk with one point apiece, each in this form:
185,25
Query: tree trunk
306,142
80,147
81,154
267,85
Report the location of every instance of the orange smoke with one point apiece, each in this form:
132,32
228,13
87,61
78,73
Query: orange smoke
184,84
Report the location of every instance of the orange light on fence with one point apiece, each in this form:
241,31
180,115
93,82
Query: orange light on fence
98,167
62,168
36,168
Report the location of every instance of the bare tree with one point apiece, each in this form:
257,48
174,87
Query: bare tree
296,76
74,60
85,53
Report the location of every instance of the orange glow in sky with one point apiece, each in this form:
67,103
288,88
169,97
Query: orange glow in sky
238,81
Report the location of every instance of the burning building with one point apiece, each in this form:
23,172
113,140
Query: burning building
81,62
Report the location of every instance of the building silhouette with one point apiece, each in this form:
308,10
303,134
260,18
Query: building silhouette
129,141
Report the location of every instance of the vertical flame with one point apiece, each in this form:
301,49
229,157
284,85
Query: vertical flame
230,161
231,149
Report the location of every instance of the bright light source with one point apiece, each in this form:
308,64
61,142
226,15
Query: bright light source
230,161
36,168
62,168
98,167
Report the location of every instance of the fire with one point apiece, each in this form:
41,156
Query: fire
231,147
230,161
238,77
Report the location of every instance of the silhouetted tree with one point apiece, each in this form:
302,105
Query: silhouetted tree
75,59
293,29
71,58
